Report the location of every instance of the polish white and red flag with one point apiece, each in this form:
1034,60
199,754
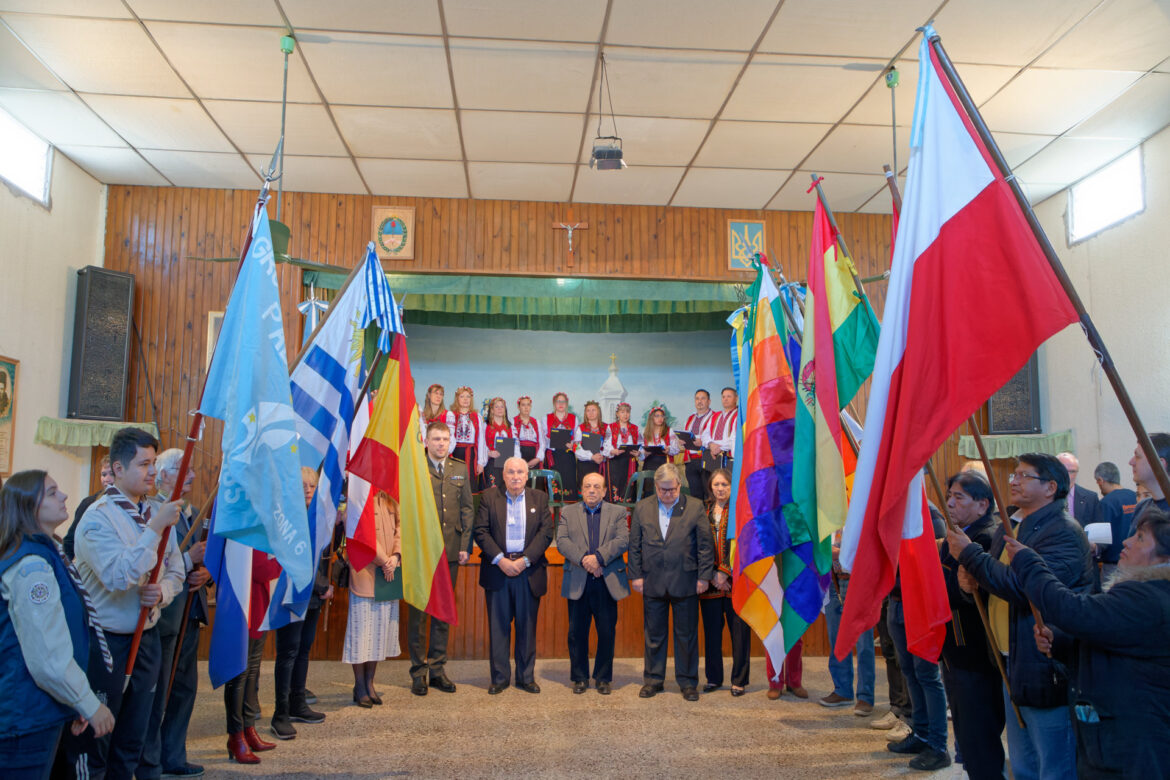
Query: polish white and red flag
971,296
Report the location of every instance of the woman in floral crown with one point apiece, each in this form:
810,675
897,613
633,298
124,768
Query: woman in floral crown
657,442
497,426
589,462
527,432
621,462
433,410
562,460
465,431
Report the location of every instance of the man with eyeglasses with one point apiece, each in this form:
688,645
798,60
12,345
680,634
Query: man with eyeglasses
1039,686
672,561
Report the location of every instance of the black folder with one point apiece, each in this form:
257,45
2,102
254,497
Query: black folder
591,442
560,438
505,445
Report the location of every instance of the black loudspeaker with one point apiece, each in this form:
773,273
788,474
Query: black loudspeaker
101,344
1015,407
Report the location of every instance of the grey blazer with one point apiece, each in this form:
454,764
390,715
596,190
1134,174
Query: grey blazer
573,543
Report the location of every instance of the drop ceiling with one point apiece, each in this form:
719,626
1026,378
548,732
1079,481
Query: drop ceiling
719,104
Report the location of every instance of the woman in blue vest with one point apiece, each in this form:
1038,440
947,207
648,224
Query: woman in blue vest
45,631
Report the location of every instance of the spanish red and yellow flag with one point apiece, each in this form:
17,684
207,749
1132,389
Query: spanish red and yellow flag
391,458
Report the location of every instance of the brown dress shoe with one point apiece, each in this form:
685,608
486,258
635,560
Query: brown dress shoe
774,693
799,692
255,742
238,750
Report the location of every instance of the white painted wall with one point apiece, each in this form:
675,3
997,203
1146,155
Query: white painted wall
1123,276
41,251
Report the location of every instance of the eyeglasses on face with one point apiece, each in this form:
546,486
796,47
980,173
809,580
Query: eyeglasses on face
1015,477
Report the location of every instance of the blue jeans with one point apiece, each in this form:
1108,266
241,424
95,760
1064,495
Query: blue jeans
29,756
842,671
928,700
1046,748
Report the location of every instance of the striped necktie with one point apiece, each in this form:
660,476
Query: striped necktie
129,507
91,613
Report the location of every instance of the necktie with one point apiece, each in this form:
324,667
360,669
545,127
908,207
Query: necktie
139,515
90,612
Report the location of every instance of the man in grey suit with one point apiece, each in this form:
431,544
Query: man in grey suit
513,528
593,537
672,561
453,502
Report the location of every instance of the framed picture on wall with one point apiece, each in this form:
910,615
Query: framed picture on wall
8,373
394,232
214,323
745,237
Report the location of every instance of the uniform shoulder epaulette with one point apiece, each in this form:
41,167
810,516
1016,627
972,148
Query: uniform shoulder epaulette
456,460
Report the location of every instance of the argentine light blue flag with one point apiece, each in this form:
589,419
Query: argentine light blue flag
261,503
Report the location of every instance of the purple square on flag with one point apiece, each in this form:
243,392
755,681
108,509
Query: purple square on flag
770,534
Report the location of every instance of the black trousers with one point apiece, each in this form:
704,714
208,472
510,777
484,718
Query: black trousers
976,699
513,603
716,612
116,755
428,655
241,698
899,698
293,643
655,612
652,462
166,737
598,607
696,478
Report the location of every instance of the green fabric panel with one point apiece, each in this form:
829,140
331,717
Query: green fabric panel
556,307
618,323
56,432
1008,446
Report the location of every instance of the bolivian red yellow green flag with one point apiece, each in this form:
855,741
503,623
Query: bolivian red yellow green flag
837,354
391,458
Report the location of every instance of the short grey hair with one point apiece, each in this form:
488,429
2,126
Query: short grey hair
168,461
1108,472
667,472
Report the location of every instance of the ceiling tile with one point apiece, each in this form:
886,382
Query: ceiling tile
212,11
247,62
1143,110
636,185
650,82
852,28
255,127
96,55
58,117
780,88
160,123
982,81
111,9
204,169
550,20
1006,32
1067,160
19,68
1037,193
859,149
425,133
501,136
114,166
1018,147
649,140
520,181
846,192
413,68
520,76
418,178
1051,101
392,16
728,188
687,24
777,145
1120,35
315,174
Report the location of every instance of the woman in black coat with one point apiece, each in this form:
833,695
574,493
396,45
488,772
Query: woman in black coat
1120,694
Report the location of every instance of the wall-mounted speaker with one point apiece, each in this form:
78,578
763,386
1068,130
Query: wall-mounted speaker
101,344
1015,407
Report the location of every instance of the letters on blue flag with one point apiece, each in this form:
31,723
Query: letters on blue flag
261,502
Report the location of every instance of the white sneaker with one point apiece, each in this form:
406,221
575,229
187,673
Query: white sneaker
887,721
899,732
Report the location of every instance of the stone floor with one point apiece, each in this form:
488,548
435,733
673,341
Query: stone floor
469,734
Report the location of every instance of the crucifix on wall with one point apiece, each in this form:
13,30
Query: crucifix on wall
570,226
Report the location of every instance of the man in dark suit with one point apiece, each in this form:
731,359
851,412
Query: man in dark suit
593,537
671,562
1081,503
513,528
453,503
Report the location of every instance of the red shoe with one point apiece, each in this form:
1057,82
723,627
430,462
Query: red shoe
255,742
239,751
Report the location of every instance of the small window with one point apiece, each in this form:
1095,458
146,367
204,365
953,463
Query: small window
1104,198
24,159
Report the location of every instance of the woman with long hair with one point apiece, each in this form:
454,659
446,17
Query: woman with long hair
497,426
715,604
46,625
371,634
590,462
562,460
465,432
658,443
527,432
621,462
432,409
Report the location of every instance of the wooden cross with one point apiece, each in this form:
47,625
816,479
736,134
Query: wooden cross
569,226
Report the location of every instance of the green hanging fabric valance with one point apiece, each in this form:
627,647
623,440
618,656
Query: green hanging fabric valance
1006,446
56,432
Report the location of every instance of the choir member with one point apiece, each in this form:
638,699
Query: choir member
657,435
590,462
495,427
699,426
433,410
720,441
622,463
465,432
526,431
562,460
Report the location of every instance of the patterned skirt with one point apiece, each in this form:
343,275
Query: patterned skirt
372,631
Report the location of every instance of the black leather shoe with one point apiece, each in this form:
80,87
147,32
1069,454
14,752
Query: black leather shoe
282,727
529,687
931,760
362,700
494,689
375,698
690,694
580,686
911,744
738,691
305,714
187,770
418,686
443,684
711,687
604,688
649,690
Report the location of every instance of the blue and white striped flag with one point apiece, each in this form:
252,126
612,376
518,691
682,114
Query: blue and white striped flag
382,308
230,566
